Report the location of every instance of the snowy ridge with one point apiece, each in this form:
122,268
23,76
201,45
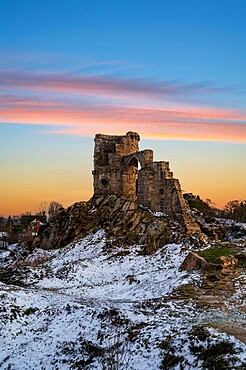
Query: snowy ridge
91,306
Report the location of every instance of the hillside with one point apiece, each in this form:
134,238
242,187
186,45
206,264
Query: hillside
109,285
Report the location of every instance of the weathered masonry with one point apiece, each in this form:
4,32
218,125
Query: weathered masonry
121,169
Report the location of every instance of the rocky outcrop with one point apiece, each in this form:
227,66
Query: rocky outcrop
213,228
125,223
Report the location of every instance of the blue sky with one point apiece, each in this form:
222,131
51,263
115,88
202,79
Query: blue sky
198,40
172,70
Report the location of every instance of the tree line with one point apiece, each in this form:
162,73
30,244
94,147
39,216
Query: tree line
16,227
234,209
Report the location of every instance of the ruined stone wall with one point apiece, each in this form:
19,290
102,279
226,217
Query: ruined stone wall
146,187
121,169
109,152
154,191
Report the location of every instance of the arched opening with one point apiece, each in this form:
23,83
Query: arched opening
133,162
130,178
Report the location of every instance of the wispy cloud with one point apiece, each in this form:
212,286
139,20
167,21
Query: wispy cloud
68,82
85,104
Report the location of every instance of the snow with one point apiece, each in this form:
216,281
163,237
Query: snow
3,234
88,295
85,269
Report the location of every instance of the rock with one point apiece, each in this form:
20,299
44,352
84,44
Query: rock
124,221
212,228
226,262
214,231
193,262
241,257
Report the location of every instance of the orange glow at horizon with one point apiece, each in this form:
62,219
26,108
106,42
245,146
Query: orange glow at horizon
32,190
29,194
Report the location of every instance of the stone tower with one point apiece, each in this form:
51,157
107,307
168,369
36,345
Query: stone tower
121,169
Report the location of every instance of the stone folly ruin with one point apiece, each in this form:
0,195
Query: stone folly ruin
121,169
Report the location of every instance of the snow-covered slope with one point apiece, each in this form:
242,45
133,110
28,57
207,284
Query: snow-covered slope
89,307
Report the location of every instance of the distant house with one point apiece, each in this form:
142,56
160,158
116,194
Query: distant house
27,219
4,239
31,230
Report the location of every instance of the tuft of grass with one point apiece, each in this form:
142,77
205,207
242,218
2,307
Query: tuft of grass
213,253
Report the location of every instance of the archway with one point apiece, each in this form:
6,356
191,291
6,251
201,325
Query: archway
130,178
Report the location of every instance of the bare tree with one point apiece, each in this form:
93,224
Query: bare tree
42,208
54,208
236,209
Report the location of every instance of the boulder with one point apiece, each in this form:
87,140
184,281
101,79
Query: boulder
193,262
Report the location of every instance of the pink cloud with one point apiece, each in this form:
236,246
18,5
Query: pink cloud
199,125
20,108
152,117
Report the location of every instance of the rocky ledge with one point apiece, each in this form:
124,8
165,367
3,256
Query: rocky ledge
125,222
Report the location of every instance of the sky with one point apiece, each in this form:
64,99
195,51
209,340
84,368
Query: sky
173,71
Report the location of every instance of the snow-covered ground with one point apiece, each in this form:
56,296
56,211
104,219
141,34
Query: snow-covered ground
89,307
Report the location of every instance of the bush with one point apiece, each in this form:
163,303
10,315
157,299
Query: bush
212,254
